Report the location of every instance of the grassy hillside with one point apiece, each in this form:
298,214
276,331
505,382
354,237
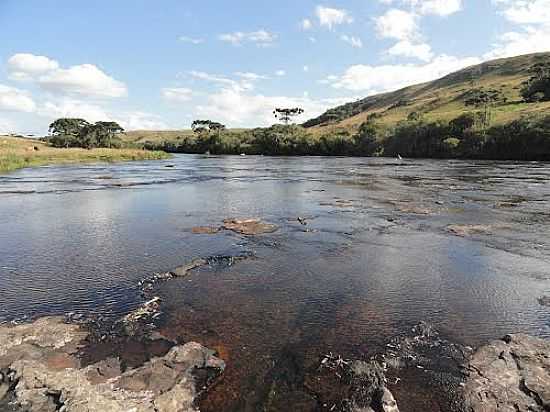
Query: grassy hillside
441,99
16,153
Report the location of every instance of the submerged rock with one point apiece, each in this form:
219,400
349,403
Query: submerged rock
205,230
249,226
512,374
468,230
41,373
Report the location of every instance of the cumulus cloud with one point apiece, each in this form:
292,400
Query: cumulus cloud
405,48
376,79
261,38
533,33
240,109
352,41
24,66
397,24
329,17
13,99
85,80
178,94
525,12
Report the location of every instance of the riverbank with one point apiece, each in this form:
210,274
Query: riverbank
17,153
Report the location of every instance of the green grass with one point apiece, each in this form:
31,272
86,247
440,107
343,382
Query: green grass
442,99
17,153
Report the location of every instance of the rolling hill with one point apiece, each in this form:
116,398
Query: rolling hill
441,99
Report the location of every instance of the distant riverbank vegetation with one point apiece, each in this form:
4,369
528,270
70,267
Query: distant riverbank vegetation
71,141
464,137
471,134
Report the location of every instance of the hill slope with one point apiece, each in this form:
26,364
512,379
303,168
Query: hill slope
441,99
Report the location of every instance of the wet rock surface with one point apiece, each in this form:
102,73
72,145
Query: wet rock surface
511,374
42,370
249,226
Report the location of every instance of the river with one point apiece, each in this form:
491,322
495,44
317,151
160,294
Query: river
386,244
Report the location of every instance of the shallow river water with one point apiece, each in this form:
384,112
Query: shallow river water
387,244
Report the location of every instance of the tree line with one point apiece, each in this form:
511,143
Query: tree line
70,132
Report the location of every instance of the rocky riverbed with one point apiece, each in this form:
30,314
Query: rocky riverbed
45,367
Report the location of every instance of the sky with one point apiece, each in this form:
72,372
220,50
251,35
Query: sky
160,64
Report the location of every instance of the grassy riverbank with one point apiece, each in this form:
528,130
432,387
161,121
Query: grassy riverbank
16,153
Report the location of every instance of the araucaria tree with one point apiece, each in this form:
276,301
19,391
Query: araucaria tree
201,127
484,100
285,115
68,132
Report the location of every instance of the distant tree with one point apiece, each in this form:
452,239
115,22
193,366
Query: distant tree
65,132
285,115
537,88
484,100
463,123
414,116
79,133
99,134
365,140
217,128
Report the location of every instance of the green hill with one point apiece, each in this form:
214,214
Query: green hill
442,99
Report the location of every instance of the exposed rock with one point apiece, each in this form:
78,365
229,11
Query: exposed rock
512,374
163,384
544,301
140,320
249,226
468,230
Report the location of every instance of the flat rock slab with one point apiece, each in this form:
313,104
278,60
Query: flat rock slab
249,226
512,374
468,230
44,373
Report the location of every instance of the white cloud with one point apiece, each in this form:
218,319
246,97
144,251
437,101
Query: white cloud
7,127
306,69
352,40
440,7
526,11
397,24
239,85
68,107
239,109
376,79
141,121
306,24
261,38
251,76
533,33
23,66
12,99
330,17
435,7
529,40
405,48
280,73
192,40
85,80
178,94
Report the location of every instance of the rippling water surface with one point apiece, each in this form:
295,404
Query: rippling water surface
376,257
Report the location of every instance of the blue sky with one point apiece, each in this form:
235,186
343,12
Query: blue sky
160,64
